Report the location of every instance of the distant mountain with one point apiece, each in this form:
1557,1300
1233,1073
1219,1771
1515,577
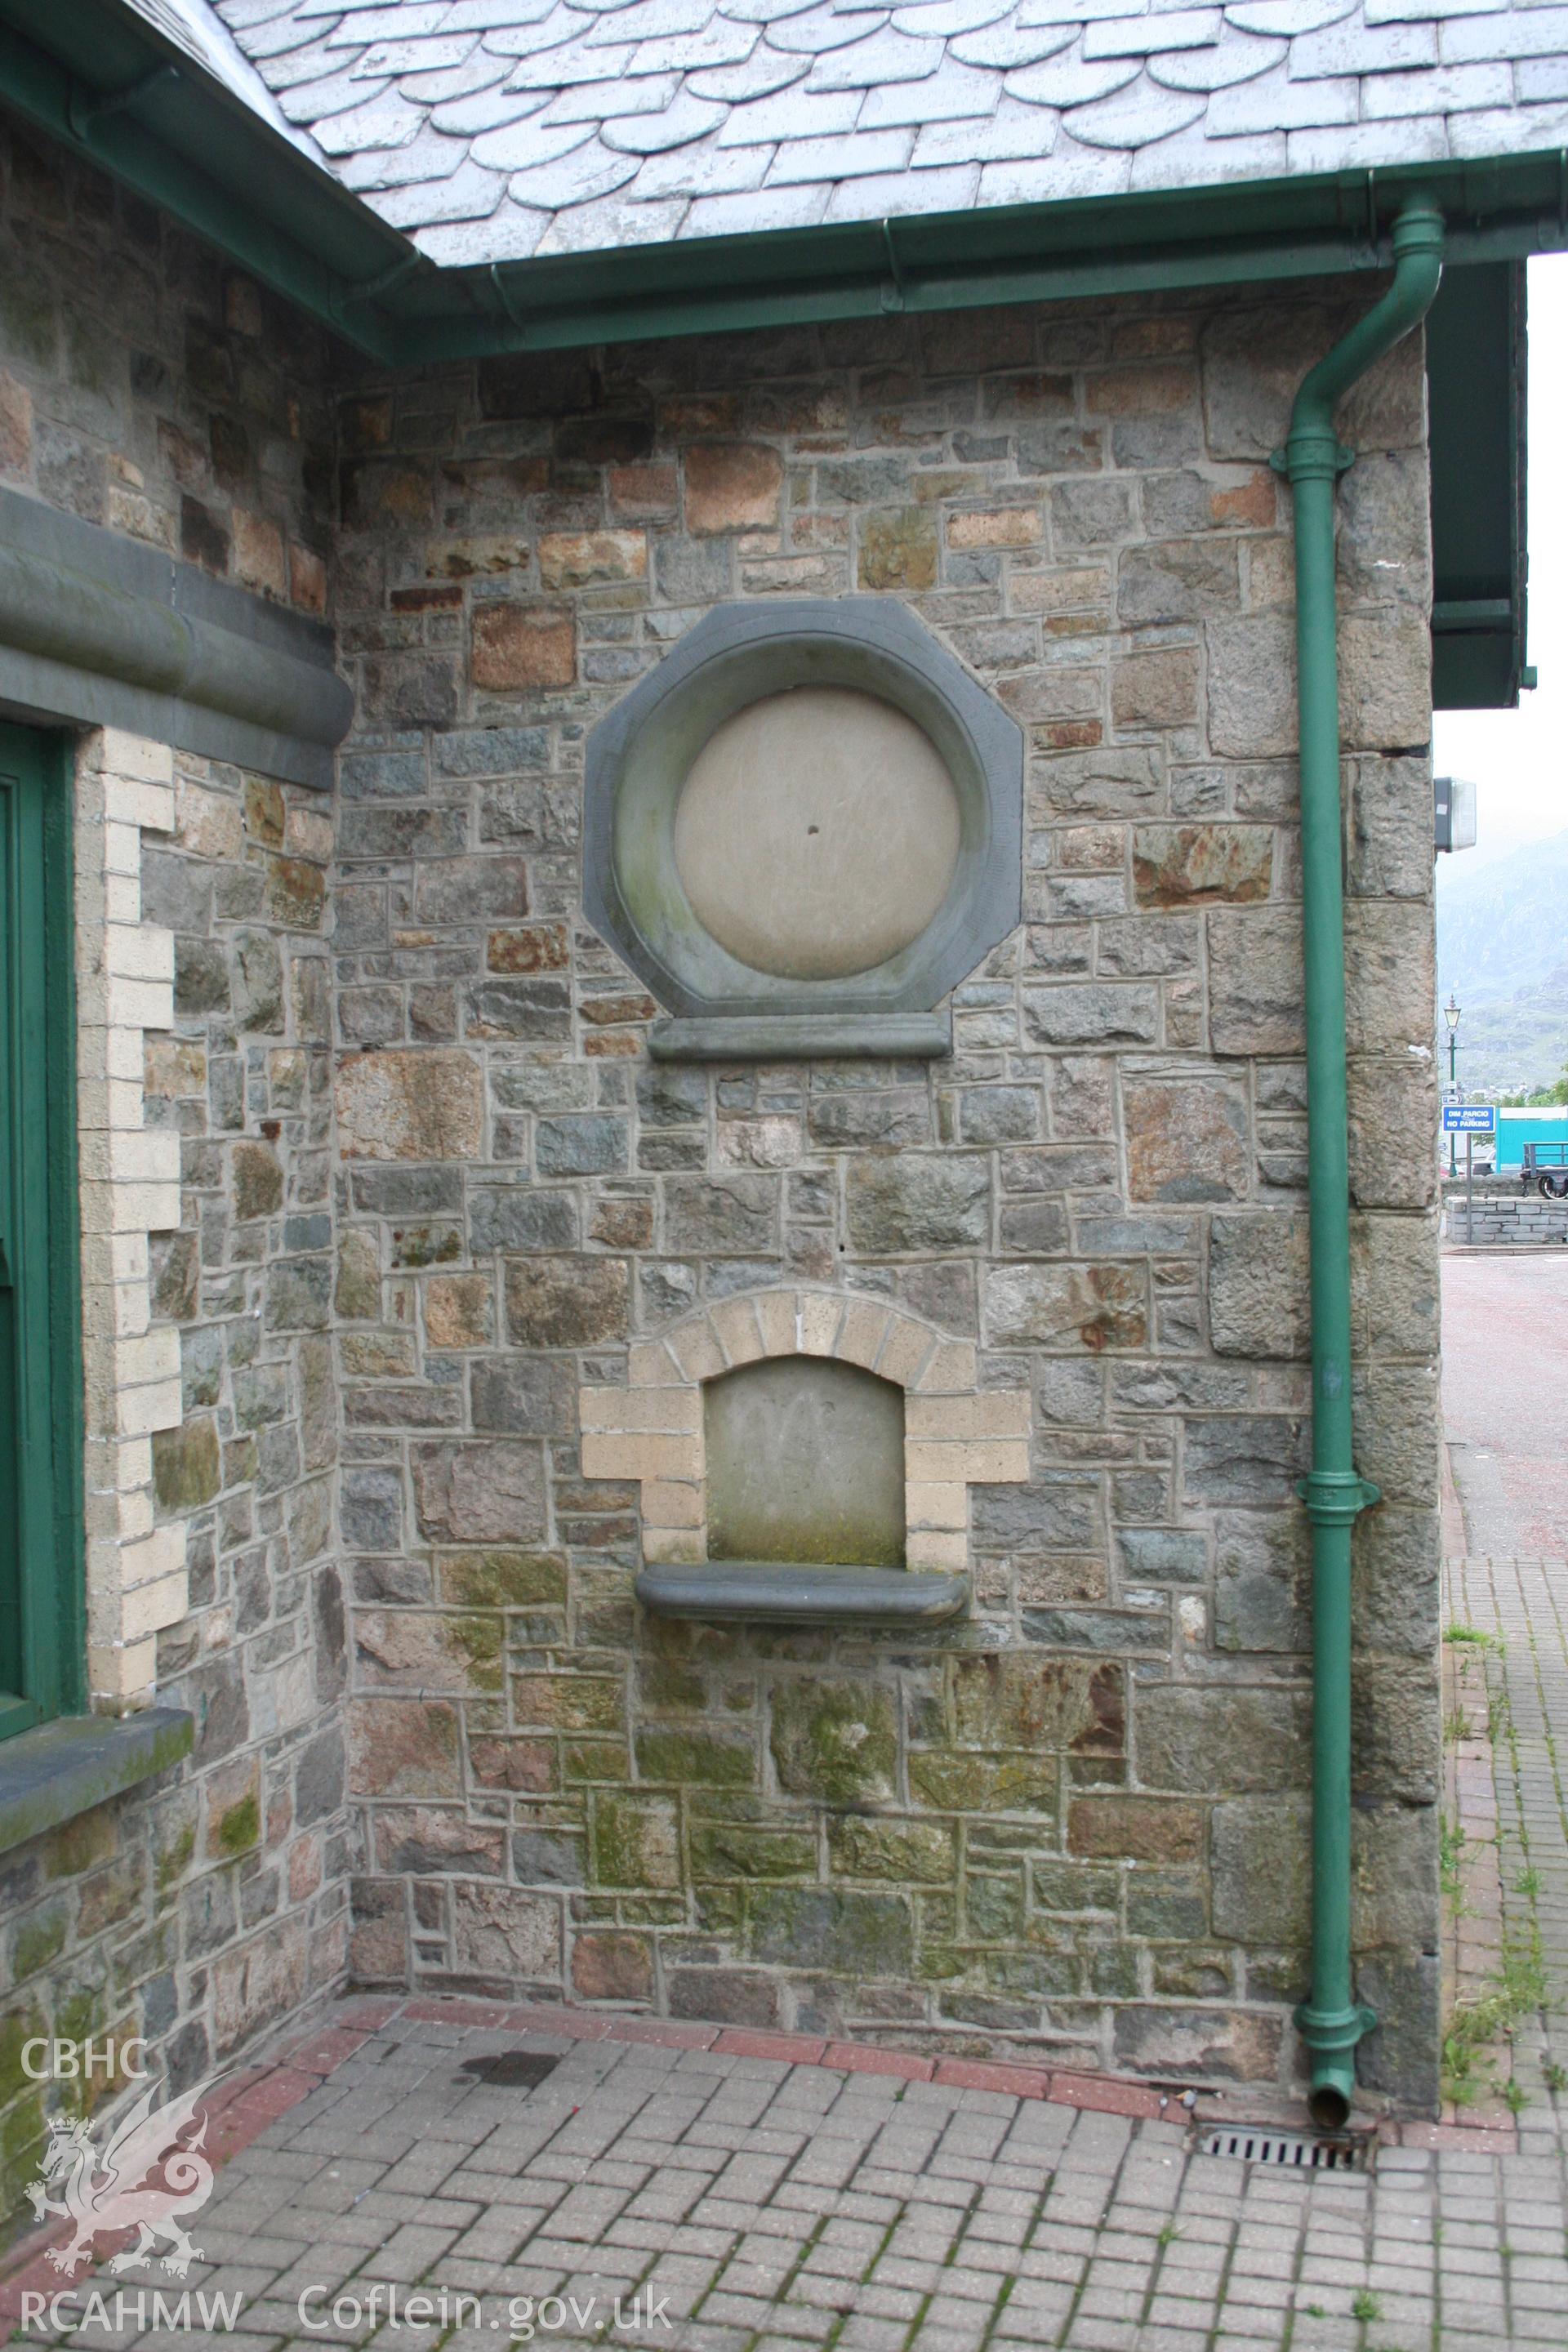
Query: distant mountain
1502,949
1516,1041
1504,926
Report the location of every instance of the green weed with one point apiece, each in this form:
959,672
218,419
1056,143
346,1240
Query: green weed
1515,1987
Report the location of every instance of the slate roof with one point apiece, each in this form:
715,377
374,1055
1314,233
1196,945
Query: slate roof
193,27
492,130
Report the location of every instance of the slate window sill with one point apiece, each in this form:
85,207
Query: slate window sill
737,1591
63,1768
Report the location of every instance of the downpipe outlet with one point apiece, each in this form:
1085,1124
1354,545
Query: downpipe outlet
1331,2021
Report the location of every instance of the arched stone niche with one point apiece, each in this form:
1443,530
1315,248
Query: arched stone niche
805,1463
803,829
955,1434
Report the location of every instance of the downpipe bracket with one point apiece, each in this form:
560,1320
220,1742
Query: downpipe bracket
1336,1498
1329,2029
1306,453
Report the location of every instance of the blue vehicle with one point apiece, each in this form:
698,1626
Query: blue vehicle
1531,1140
1546,1165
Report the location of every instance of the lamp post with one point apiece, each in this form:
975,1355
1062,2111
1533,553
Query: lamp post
1451,1015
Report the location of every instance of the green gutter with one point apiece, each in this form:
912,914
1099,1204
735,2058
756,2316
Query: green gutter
1331,2023
994,256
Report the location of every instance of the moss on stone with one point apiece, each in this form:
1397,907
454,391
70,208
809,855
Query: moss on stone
257,1180
481,1640
240,1826
1113,1971
682,1756
667,1684
651,1910
80,2017
22,2133
846,1932
502,1580
834,1741
994,1905
172,1863
239,1461
80,1845
39,1939
1052,1974
420,1246
978,1784
1081,1887
17,2028
920,1851
585,1760
185,1472
636,1841
720,1910
723,1850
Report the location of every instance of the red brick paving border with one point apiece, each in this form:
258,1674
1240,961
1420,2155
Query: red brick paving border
241,2109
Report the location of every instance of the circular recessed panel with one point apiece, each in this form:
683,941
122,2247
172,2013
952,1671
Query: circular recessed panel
816,833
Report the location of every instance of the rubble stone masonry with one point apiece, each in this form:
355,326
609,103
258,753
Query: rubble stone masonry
146,387
416,1218
1076,1824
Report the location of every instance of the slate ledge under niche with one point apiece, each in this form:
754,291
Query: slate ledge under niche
734,1591
801,1037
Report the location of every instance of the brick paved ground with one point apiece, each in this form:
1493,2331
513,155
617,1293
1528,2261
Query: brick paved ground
1505,1399
773,2206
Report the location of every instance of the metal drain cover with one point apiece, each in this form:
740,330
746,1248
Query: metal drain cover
1297,2151
511,2070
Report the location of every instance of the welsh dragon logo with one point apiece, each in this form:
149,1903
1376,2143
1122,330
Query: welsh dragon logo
144,2178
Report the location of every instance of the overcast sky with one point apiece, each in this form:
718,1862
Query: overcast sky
1518,759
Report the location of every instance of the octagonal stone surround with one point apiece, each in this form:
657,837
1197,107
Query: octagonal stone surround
956,1435
737,654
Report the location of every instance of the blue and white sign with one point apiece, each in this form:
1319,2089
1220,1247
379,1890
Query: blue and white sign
1469,1119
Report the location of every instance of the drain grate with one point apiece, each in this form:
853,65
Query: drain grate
511,2070
1297,2151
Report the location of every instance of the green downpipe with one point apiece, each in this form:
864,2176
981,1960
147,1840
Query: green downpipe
1331,2021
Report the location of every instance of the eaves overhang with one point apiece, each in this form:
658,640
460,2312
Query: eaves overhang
122,93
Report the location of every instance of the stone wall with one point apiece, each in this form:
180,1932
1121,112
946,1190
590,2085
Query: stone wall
1501,1216
144,386
147,385
1077,1823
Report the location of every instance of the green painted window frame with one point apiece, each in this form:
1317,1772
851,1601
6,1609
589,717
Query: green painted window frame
42,1635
